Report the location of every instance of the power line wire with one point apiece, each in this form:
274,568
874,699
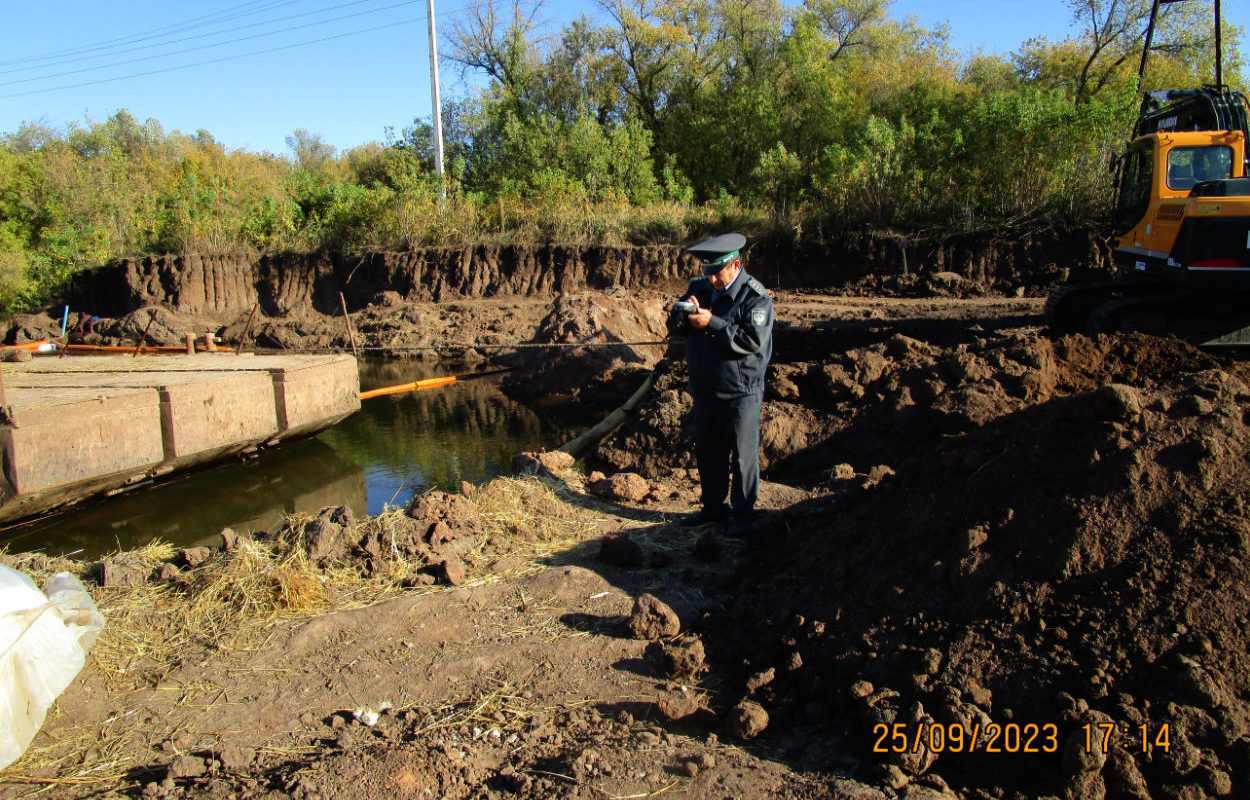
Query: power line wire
212,61
190,23
210,46
137,38
74,55
208,35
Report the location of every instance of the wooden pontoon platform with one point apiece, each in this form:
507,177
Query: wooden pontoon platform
82,426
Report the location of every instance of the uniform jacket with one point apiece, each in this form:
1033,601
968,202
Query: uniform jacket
728,358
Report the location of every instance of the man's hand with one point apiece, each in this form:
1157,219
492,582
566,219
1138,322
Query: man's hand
698,319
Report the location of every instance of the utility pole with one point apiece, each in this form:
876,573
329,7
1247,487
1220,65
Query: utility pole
438,110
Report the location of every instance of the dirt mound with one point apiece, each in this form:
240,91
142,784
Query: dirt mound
1014,532
603,358
875,403
1132,358
32,328
865,406
1025,585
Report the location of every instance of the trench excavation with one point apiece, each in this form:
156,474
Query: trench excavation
973,528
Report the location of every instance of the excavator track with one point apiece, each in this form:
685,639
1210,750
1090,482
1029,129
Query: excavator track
1147,313
1108,308
1068,308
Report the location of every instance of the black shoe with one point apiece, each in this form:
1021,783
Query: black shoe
741,524
703,517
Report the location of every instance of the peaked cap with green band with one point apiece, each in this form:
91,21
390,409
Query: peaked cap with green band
716,252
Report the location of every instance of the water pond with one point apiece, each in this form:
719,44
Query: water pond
394,447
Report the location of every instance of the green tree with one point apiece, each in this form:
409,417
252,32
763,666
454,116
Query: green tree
1114,34
311,151
483,41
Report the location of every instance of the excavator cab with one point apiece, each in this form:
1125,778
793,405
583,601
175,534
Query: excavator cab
1162,177
1187,160
1181,222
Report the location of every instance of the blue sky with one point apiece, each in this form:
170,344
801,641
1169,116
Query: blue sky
344,69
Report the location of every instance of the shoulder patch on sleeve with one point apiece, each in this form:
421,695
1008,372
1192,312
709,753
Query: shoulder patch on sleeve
758,317
758,287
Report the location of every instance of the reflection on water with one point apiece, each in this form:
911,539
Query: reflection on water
193,508
407,443
394,447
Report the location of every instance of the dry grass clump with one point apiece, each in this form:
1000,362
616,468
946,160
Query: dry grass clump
505,504
229,601
225,604
537,518
252,585
41,567
502,709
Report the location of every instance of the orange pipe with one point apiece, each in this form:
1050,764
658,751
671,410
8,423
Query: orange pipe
143,348
32,346
100,348
415,386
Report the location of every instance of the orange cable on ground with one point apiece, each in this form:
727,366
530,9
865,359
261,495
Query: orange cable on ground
415,386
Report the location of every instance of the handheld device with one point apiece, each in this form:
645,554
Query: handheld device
685,306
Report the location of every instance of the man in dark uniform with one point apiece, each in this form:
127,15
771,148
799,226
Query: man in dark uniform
728,330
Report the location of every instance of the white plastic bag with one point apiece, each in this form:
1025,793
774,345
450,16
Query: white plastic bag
43,644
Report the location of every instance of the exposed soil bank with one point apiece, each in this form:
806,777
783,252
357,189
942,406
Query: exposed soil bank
224,286
470,303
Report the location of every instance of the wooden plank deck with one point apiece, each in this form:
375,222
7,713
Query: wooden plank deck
82,426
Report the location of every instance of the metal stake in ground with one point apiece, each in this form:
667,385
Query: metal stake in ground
350,335
144,335
247,329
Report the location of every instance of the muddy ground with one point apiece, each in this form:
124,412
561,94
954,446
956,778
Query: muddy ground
994,566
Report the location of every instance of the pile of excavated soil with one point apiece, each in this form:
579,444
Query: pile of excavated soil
602,346
1041,542
1061,578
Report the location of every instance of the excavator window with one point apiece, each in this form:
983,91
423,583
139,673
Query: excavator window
1188,166
1133,202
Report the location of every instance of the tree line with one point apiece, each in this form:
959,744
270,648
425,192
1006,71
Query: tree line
655,120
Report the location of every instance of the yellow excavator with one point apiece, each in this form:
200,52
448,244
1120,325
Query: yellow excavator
1182,221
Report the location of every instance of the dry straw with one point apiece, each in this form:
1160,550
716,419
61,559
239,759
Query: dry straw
231,603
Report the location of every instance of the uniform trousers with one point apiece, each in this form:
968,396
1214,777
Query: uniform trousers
727,439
